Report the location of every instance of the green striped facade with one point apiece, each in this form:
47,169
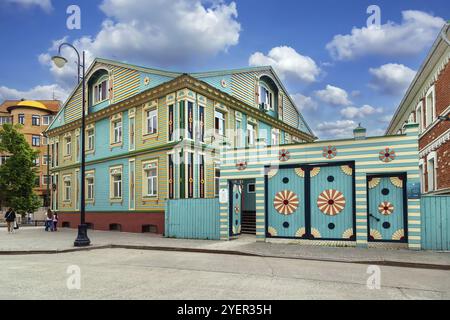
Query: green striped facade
364,154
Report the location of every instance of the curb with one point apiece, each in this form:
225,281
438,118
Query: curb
390,263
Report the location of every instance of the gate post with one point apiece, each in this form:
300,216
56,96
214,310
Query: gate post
361,207
260,209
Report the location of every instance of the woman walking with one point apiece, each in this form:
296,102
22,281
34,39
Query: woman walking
49,220
10,218
55,222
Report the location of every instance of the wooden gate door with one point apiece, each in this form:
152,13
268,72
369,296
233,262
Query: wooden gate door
235,206
387,208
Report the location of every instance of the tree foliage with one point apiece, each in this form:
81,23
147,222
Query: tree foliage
18,173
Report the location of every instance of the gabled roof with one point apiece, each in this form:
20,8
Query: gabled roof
435,53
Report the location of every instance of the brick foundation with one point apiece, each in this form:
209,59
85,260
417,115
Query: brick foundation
129,222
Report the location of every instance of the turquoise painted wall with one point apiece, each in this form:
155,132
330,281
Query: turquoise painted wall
249,203
436,222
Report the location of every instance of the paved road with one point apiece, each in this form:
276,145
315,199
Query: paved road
136,274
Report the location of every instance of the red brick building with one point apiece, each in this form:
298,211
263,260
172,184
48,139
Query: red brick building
427,102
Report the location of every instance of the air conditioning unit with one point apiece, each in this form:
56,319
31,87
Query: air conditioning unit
264,106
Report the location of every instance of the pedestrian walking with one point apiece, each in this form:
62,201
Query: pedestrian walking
49,220
55,222
10,217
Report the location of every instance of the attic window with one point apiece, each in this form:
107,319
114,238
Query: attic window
100,90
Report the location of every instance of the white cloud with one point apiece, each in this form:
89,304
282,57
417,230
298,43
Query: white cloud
304,103
288,63
45,5
417,31
335,129
156,33
391,78
364,111
41,92
334,96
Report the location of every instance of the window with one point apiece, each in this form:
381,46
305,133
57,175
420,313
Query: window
3,159
21,118
266,97
35,141
67,188
68,144
100,91
116,183
35,120
37,182
77,146
238,134
36,161
429,107
46,120
117,131
45,179
46,159
275,140
431,171
419,116
90,186
422,176
90,139
250,134
151,175
251,188
219,123
151,121
4,120
216,179
44,140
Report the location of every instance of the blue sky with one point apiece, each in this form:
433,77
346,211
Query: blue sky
339,71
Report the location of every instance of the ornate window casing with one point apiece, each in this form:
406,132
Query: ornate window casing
132,184
67,145
116,184
431,171
77,145
116,130
100,90
266,97
90,186
67,191
150,179
419,116
90,138
150,119
251,133
132,129
430,107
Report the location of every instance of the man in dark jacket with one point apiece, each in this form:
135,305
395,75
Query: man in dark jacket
10,217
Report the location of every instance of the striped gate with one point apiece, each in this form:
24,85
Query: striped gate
236,206
386,208
311,202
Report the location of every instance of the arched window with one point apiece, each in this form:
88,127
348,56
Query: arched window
99,87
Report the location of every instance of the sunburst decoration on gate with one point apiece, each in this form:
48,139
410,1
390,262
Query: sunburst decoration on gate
331,202
397,181
347,170
399,235
286,202
272,231
329,152
315,233
386,208
284,155
387,155
241,165
300,233
301,173
348,234
375,234
272,172
373,182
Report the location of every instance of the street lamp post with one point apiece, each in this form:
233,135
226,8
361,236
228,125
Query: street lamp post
82,239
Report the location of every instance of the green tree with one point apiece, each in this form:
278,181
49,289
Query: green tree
18,173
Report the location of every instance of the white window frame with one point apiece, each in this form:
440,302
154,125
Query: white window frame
38,141
90,175
268,96
21,118
221,116
151,115
67,188
90,141
97,91
117,131
432,158
251,134
46,159
275,137
46,120
114,172
68,145
238,134
43,179
430,110
248,188
147,167
419,116
36,118
422,176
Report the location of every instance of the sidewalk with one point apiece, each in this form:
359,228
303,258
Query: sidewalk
33,240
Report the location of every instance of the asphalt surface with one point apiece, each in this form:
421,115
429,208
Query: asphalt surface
143,274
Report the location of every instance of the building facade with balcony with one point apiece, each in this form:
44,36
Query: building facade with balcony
154,135
427,102
35,116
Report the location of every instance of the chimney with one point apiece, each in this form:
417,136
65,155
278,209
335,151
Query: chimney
359,133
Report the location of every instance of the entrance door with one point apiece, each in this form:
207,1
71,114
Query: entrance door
386,208
236,207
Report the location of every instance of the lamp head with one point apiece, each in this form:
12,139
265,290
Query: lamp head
59,61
